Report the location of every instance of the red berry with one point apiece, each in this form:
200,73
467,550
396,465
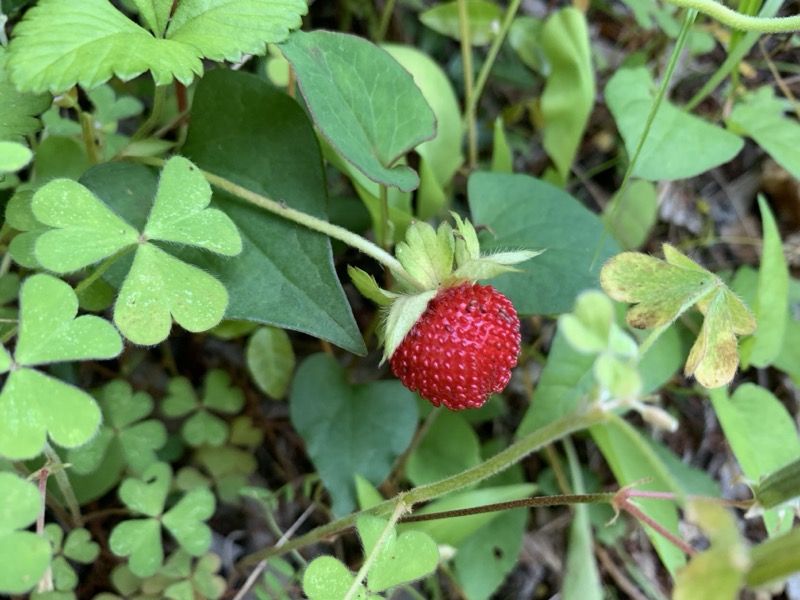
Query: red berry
462,348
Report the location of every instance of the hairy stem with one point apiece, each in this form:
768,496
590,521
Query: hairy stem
466,63
60,473
531,443
737,20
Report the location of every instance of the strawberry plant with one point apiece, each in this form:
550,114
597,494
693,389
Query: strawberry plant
369,300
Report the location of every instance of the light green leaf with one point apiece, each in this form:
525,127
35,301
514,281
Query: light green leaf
158,288
17,119
375,424
761,433
185,521
369,288
180,212
441,156
630,217
771,306
723,566
148,494
270,360
400,558
49,331
58,42
24,556
502,158
155,14
326,578
354,90
449,446
524,37
569,91
140,540
761,116
714,356
33,405
679,145
483,20
13,156
632,460
85,230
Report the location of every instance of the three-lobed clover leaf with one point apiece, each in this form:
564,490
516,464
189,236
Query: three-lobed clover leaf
662,290
140,539
34,405
125,439
203,427
78,547
226,466
61,43
24,556
158,287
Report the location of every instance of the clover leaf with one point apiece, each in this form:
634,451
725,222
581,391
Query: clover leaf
203,427
124,439
140,539
32,404
78,547
100,41
24,556
227,469
158,286
662,290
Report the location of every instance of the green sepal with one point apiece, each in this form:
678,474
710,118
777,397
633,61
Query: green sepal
369,288
401,317
492,265
467,245
779,487
427,254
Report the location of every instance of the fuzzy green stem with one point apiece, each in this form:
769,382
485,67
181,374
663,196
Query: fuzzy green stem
531,443
376,550
466,64
304,219
155,114
60,473
383,234
737,20
98,272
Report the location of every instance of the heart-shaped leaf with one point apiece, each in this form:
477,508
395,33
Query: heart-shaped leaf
85,230
24,556
33,405
354,91
49,331
326,578
13,156
678,145
158,288
140,541
57,44
180,212
148,494
297,286
400,559
185,521
374,424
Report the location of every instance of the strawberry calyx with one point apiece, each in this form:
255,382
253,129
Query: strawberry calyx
436,259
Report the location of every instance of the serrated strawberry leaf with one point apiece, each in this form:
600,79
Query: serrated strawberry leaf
58,42
18,117
355,92
24,556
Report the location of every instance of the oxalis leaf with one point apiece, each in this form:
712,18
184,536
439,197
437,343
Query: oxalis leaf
363,102
32,404
158,286
61,43
662,290
24,556
140,539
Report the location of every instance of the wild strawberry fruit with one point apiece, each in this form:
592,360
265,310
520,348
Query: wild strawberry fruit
445,336
462,348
